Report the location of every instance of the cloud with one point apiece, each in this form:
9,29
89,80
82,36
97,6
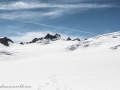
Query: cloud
28,36
29,15
31,5
29,10
21,15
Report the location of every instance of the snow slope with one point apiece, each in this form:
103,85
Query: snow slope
92,64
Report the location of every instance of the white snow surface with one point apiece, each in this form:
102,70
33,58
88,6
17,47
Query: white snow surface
92,64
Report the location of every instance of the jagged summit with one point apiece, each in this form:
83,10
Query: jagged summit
47,38
68,39
5,41
52,37
36,39
97,40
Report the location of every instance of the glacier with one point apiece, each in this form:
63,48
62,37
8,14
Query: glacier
91,64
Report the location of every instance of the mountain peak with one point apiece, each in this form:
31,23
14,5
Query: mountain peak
52,37
5,41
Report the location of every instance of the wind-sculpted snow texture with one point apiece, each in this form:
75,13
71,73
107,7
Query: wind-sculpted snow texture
5,53
88,64
106,40
115,47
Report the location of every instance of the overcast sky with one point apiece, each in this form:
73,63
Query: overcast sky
85,18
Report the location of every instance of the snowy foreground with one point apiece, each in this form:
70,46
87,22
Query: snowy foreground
93,64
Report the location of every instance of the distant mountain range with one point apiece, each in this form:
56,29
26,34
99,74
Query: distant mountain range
6,41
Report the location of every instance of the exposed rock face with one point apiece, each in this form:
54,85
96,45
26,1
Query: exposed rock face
76,39
48,36
57,36
5,41
21,43
36,39
47,39
68,39
51,37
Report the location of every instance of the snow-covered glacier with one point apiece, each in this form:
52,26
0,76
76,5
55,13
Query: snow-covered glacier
91,64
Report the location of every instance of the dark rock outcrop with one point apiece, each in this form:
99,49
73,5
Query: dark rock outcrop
48,37
36,39
5,41
52,37
57,36
22,43
76,39
68,39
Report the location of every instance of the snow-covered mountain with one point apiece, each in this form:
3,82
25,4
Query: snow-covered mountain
91,64
110,40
